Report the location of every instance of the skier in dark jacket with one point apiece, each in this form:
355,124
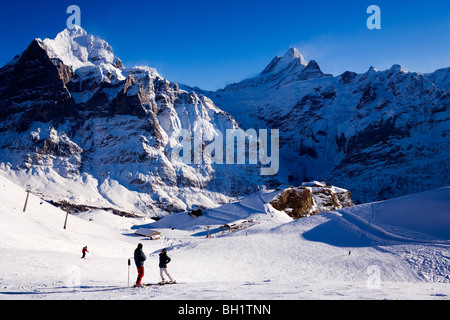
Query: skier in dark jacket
139,258
85,249
164,259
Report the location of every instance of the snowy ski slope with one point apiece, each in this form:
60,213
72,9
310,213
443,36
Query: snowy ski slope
397,249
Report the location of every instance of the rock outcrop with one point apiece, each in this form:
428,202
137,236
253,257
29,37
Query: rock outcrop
311,199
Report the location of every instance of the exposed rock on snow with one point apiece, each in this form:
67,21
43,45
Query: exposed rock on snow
311,199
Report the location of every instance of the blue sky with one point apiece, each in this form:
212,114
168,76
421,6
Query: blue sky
213,43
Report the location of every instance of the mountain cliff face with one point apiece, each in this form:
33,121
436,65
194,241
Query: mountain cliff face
380,134
76,124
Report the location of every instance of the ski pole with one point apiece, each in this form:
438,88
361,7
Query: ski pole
129,264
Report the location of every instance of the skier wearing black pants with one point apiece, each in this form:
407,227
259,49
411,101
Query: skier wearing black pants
139,259
85,249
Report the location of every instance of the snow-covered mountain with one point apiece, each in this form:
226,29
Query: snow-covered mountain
379,134
78,126
282,70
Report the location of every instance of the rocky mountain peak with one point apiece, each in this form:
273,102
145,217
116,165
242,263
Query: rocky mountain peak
84,53
280,71
312,71
294,55
292,60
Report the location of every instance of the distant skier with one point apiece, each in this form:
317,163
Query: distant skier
164,259
139,258
85,249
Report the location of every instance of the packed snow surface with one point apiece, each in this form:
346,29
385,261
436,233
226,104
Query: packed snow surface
397,249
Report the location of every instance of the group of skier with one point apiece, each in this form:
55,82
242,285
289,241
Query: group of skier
139,259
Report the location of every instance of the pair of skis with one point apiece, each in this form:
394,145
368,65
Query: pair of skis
156,284
149,284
